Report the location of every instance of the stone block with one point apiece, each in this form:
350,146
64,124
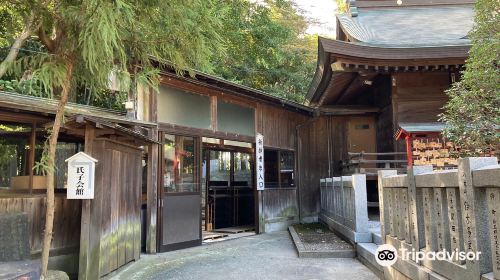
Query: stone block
14,237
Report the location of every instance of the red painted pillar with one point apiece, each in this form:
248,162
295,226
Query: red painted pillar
409,155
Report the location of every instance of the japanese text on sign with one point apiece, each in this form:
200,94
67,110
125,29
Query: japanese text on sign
259,158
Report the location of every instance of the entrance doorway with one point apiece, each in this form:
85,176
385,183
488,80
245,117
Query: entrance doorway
220,173
228,204
179,206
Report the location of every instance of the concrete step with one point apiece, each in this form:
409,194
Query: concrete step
366,254
376,238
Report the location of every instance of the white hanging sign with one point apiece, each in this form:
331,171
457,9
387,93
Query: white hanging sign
259,159
81,170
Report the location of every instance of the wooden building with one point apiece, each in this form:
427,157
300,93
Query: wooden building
187,160
91,237
203,174
389,64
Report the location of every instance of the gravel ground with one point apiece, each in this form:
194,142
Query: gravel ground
317,237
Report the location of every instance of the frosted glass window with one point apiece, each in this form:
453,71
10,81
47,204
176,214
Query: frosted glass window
183,108
235,118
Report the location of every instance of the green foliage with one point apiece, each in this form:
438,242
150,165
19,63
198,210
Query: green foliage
473,111
258,44
101,36
341,6
28,87
267,48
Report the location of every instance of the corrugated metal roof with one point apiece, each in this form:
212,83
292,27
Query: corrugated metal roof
411,26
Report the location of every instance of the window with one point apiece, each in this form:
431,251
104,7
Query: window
16,162
179,164
183,108
14,153
234,118
279,168
242,170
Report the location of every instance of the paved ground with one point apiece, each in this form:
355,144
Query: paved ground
265,256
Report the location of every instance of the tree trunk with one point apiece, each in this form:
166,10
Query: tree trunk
49,215
18,43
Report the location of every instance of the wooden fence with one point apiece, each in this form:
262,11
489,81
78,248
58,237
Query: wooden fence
453,210
344,206
371,163
67,215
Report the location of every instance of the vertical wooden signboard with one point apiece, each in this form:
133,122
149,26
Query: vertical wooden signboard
259,158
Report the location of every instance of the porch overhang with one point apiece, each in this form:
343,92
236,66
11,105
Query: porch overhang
345,68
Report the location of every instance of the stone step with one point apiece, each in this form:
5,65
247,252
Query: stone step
376,238
366,254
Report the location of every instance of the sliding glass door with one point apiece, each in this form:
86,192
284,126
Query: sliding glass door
180,193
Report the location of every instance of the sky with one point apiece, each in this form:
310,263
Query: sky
322,12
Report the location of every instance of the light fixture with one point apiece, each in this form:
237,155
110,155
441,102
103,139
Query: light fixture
399,2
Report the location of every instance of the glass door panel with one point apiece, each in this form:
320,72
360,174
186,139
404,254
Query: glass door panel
242,184
219,198
180,205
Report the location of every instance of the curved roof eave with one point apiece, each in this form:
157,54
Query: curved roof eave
376,53
321,76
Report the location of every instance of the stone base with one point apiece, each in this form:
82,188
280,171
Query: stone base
304,253
354,237
278,225
57,275
16,270
14,237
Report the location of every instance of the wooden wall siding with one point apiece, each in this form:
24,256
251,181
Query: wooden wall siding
278,126
310,142
115,227
280,205
66,219
419,97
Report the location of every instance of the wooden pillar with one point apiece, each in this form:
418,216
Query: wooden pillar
85,228
152,194
152,197
31,162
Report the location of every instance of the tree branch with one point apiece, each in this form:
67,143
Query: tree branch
46,41
29,27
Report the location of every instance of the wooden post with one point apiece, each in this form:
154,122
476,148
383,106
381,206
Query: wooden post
152,195
474,215
85,228
31,162
260,214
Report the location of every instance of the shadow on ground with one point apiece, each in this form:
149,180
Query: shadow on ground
265,256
